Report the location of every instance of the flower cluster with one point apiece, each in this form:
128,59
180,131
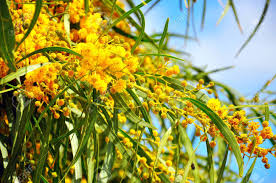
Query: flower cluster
107,65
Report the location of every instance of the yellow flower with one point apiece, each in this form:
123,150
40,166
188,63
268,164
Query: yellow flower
214,104
118,86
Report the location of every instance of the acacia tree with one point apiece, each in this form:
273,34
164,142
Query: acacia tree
84,98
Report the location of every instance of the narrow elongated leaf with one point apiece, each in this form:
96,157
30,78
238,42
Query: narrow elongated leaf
75,145
129,113
165,31
203,14
226,132
256,28
142,109
121,12
89,160
266,112
96,156
132,5
249,172
150,8
83,141
43,179
162,144
108,164
232,95
142,153
116,141
7,90
222,167
226,9
43,50
4,154
21,72
210,162
127,14
44,152
66,22
7,36
38,7
141,35
176,84
86,6
235,14
192,158
162,55
18,141
120,31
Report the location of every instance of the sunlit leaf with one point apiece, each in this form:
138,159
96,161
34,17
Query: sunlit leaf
222,167
7,36
256,28
21,72
226,132
48,49
249,172
38,7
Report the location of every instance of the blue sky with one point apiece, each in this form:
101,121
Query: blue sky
218,45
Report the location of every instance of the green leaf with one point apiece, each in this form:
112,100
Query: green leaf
162,144
256,28
192,157
43,50
129,113
176,84
266,112
7,36
154,4
235,13
43,179
90,122
142,109
128,35
4,154
75,144
164,34
162,55
226,9
89,160
226,132
232,96
140,37
249,172
7,90
211,168
222,167
108,163
38,7
21,72
86,6
18,140
66,22
203,14
44,151
127,14
142,153
132,5
121,12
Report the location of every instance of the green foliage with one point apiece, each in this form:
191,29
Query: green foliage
81,137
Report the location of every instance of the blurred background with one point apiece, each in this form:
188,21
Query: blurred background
217,45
